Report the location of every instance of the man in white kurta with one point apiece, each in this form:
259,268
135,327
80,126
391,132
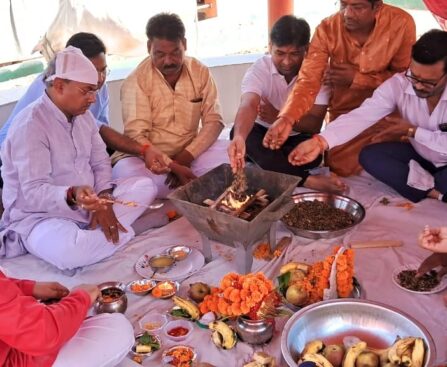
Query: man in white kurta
414,163
55,166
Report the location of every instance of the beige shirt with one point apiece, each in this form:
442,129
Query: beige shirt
154,113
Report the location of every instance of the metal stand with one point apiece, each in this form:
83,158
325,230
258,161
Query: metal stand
244,250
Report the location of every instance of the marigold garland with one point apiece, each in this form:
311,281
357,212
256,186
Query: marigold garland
317,279
237,295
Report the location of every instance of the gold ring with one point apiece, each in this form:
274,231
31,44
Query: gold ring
112,227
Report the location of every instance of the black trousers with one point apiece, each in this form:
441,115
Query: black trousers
388,162
276,160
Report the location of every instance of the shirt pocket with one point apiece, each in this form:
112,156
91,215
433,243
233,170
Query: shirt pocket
187,116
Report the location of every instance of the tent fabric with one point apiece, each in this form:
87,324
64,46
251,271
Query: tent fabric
439,10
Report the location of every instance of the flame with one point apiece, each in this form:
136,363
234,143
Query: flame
234,203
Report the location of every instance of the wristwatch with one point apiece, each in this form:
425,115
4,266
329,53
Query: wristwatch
411,132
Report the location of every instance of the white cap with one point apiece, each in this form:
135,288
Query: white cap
71,64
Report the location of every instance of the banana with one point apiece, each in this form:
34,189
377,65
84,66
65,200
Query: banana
223,335
318,359
294,266
398,349
188,306
313,347
417,355
352,354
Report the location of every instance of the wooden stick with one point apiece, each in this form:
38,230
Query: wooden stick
208,202
220,198
376,244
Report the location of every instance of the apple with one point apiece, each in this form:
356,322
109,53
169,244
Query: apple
198,291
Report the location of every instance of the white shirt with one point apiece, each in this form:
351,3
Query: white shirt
264,79
397,93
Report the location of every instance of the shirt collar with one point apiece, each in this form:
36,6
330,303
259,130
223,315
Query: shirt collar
274,71
55,112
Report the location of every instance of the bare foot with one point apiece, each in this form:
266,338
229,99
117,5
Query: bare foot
330,183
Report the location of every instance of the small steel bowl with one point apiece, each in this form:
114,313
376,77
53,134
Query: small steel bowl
180,252
329,319
142,356
345,203
163,268
148,285
119,304
166,358
175,288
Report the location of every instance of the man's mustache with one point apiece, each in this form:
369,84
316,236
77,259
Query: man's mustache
169,67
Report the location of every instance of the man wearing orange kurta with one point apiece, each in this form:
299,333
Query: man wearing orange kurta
353,52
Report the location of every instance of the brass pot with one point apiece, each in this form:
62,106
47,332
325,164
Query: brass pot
254,331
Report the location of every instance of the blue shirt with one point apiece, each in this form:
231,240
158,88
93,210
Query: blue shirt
100,109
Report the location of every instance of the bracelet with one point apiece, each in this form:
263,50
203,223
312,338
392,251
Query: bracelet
71,200
320,142
143,149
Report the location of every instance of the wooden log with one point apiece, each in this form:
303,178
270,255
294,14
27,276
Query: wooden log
208,202
220,198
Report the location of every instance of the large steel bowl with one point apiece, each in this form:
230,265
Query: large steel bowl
342,202
118,305
326,320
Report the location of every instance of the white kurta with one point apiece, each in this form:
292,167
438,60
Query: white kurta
42,157
397,93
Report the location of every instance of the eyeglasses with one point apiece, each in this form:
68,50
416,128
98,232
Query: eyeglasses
90,92
424,83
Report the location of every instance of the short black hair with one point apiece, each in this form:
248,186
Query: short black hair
290,30
167,26
430,48
88,43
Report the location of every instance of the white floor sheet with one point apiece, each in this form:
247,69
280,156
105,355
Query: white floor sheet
373,268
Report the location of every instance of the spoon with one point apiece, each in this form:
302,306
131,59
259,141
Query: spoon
134,204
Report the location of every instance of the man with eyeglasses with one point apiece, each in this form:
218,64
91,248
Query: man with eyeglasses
352,52
265,88
170,106
411,153
57,175
92,47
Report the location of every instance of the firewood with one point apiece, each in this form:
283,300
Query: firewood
208,202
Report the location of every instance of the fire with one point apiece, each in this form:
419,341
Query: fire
233,202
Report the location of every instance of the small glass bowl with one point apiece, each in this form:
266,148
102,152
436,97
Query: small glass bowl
176,324
153,322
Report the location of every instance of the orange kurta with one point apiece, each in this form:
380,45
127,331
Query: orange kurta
387,51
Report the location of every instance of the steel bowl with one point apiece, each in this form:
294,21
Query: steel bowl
142,356
161,269
118,305
329,319
345,203
180,252
149,284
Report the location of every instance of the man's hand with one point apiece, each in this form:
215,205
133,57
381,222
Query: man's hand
108,222
236,153
278,133
339,75
92,290
87,199
396,131
433,261
154,161
267,112
49,290
184,158
307,151
434,239
179,175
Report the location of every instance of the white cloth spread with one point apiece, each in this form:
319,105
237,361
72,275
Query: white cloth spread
418,177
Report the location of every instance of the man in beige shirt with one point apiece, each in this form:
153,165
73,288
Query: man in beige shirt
170,106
